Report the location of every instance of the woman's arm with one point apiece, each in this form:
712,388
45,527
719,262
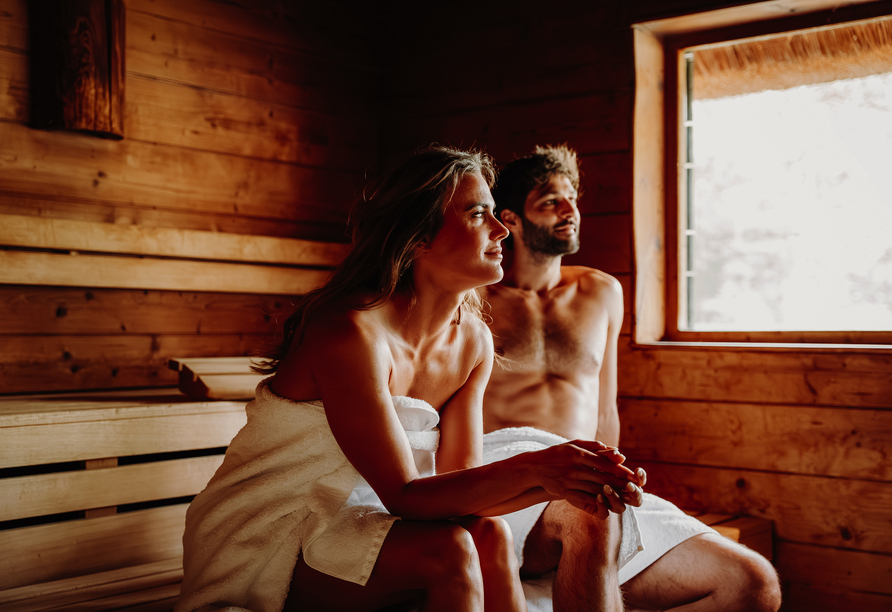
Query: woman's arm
352,368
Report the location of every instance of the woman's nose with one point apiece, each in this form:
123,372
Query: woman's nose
499,231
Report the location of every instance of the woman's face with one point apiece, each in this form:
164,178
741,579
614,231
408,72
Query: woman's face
467,251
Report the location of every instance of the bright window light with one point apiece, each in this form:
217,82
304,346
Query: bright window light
787,203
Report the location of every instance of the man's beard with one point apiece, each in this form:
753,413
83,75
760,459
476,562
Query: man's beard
542,243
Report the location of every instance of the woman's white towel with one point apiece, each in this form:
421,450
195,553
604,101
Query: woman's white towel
286,486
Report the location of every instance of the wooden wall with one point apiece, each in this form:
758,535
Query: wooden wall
256,118
799,436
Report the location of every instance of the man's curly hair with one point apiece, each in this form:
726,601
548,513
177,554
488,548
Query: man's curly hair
521,176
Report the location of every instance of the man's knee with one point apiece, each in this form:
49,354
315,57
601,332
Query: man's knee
585,533
758,583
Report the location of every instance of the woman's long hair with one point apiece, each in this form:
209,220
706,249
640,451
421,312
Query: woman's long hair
397,214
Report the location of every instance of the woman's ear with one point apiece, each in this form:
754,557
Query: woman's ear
422,247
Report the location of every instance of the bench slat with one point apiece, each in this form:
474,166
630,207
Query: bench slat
63,593
43,553
28,445
108,271
43,494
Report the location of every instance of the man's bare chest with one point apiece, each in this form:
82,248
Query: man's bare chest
549,339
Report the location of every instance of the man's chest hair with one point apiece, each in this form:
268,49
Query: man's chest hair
550,342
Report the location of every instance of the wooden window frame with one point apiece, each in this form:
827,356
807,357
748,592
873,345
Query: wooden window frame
657,159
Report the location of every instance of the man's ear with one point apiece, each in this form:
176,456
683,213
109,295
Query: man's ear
510,220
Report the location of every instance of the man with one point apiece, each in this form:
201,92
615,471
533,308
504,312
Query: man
555,330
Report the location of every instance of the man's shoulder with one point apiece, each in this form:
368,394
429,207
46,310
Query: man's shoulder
591,280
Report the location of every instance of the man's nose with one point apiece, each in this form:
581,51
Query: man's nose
566,209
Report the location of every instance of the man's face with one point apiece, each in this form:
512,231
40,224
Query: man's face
550,224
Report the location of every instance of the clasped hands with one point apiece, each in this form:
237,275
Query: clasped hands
596,481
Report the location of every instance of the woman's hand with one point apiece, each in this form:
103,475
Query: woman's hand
589,475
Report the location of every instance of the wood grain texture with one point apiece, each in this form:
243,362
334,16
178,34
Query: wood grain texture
59,492
807,377
67,235
27,310
75,270
30,364
801,598
95,588
27,445
31,555
162,112
841,442
140,177
834,569
804,509
228,62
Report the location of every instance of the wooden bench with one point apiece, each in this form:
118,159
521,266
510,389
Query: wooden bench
94,488
93,492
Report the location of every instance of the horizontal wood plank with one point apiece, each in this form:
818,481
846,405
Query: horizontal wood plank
37,364
162,112
28,445
834,569
137,179
92,587
312,27
183,53
747,375
839,442
56,551
804,509
68,235
87,406
801,598
55,493
33,268
591,124
28,309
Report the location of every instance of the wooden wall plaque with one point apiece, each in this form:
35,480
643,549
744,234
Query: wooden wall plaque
77,66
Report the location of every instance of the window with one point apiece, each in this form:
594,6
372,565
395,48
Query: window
777,135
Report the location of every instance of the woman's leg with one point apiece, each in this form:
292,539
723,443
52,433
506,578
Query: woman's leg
502,589
434,563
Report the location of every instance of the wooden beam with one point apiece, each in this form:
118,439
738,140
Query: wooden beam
28,268
55,493
68,235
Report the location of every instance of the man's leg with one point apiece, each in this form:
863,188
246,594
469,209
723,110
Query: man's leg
583,550
707,572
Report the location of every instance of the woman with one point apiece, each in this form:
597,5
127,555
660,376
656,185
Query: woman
340,441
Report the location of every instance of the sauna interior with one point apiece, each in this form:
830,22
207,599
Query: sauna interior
248,127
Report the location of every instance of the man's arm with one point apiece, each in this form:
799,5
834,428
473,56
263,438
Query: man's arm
608,415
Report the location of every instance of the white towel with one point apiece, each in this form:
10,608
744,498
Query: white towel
283,484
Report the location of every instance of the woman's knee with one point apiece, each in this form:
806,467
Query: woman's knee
493,540
449,552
